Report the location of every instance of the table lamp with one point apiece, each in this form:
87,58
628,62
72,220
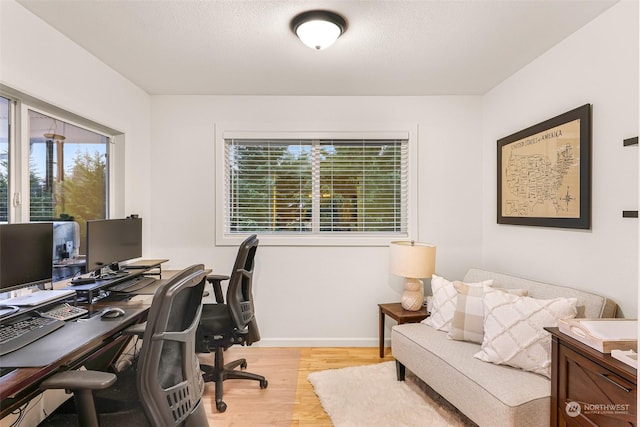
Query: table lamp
412,261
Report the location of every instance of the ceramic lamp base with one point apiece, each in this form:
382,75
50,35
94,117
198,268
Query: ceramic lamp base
413,295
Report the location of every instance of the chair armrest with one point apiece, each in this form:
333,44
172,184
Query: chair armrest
79,380
216,281
137,329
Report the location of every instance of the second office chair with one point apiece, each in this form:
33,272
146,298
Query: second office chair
231,321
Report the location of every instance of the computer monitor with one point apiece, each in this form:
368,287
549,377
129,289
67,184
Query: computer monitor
26,258
111,241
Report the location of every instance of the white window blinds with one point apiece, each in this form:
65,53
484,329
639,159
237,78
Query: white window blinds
316,186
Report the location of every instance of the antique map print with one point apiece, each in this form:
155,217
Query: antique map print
541,174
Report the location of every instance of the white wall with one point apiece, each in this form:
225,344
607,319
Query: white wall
599,65
41,62
328,295
316,295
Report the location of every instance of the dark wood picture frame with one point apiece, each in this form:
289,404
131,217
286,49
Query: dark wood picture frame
537,190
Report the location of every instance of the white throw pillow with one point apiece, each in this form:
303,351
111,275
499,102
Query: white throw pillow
444,302
513,330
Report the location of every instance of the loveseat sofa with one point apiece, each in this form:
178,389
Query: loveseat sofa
487,393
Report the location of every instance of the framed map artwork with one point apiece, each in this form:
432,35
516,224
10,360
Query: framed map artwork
544,173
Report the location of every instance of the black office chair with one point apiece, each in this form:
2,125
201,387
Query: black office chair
168,378
225,324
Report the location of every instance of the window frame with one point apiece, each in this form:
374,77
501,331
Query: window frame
24,210
328,131
11,157
21,103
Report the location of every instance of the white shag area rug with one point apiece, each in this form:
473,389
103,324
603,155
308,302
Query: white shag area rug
371,396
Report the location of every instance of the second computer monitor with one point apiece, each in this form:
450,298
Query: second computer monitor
111,241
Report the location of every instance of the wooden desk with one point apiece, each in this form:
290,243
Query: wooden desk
400,315
21,385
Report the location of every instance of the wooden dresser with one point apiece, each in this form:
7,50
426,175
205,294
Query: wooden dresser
589,387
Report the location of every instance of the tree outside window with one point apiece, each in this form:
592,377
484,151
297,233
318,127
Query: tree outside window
316,186
67,172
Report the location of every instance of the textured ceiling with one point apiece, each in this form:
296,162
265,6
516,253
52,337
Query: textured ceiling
245,47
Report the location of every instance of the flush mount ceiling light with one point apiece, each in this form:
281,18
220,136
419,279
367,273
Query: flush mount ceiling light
318,29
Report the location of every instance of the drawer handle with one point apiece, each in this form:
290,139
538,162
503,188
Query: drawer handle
606,377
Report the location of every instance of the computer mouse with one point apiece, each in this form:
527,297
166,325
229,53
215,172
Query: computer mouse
112,313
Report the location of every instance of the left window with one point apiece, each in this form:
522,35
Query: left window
67,171
54,165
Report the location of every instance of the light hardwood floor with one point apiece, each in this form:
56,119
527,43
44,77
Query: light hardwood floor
289,400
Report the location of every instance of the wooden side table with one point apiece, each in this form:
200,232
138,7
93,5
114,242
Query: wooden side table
400,315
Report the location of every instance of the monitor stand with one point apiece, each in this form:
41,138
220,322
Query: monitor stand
112,271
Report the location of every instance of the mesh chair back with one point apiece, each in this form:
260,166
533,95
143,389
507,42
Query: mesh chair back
239,293
170,384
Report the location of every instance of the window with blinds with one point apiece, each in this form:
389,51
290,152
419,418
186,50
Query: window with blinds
316,186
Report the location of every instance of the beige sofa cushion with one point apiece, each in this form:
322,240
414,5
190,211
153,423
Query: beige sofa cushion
589,305
490,395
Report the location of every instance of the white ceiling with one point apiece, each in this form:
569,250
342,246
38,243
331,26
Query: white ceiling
246,47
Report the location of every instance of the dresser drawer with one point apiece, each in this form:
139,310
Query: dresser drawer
593,393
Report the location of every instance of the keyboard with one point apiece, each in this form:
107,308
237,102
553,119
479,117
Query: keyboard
64,311
133,285
25,331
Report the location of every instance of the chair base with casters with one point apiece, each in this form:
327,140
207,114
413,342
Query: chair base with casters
228,371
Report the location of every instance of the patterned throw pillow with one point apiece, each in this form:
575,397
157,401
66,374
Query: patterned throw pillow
468,319
513,330
444,302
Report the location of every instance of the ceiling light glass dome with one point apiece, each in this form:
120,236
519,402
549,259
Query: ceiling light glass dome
318,29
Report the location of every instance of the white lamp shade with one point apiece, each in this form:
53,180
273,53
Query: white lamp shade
411,259
318,34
